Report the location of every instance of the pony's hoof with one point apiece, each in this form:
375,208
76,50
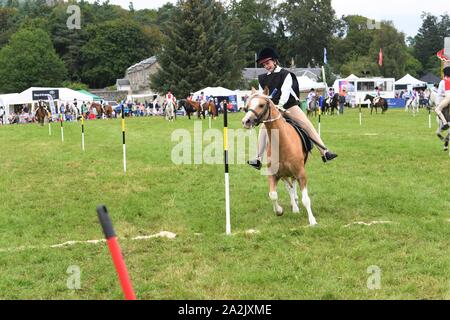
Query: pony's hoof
279,212
313,224
295,210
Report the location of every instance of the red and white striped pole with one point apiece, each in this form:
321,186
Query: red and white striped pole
116,253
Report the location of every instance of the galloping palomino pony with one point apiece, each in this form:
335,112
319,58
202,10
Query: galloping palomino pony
41,114
382,103
289,164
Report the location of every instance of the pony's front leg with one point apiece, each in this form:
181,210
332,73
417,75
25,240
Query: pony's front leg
273,195
306,200
292,189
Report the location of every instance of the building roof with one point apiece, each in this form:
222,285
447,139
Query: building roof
312,73
143,64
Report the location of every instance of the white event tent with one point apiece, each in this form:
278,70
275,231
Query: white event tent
409,80
215,92
26,97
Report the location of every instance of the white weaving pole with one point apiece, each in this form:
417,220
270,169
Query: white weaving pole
227,175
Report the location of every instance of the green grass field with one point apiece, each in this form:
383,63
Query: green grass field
390,169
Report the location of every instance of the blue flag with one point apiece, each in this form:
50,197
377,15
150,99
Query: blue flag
325,61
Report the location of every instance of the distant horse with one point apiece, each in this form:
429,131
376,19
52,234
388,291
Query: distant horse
196,106
169,110
381,103
289,166
41,114
446,113
210,106
108,111
413,104
331,104
313,106
99,109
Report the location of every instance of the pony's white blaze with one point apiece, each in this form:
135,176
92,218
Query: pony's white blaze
253,104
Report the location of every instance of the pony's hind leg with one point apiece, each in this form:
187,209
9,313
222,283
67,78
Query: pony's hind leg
273,195
291,187
306,200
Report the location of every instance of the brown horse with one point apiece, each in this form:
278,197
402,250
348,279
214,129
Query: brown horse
41,114
212,109
286,153
382,103
194,106
103,110
108,111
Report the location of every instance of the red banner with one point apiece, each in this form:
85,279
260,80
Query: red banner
441,56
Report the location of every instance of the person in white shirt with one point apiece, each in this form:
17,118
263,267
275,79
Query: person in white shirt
286,97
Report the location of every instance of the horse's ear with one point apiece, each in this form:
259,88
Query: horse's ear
266,91
253,90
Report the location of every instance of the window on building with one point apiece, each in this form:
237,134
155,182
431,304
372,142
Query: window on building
366,86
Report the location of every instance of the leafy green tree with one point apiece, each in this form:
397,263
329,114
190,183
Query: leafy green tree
310,24
428,40
256,19
353,38
30,60
113,47
202,49
67,42
392,42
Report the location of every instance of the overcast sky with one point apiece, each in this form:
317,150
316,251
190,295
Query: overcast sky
404,13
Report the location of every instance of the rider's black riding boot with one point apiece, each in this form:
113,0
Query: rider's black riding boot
329,156
255,164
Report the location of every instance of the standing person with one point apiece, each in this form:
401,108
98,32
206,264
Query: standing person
342,99
446,101
2,115
286,97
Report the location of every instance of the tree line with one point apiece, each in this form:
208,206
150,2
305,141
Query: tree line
201,43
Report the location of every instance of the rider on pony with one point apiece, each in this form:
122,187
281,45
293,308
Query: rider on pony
311,95
377,95
286,97
169,97
446,101
330,95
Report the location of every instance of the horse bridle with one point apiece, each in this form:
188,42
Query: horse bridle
260,117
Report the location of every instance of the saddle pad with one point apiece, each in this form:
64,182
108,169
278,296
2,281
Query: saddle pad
306,140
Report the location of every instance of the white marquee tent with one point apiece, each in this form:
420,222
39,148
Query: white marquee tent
306,84
26,97
409,80
215,92
65,94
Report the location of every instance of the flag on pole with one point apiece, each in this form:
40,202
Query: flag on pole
380,58
325,60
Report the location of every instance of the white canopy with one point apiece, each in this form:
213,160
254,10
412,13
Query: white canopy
11,99
352,77
65,94
409,80
305,83
216,92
